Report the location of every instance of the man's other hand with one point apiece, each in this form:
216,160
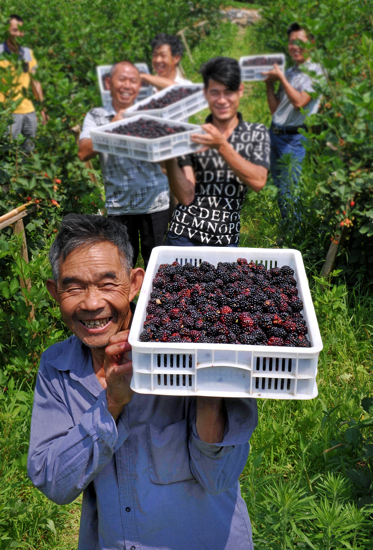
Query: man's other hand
274,75
119,115
118,373
212,139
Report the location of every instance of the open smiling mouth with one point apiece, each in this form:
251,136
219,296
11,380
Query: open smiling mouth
98,323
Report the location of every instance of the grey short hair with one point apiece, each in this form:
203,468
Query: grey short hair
78,230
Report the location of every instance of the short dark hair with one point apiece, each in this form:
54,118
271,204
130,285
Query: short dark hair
295,27
225,70
176,46
78,230
16,17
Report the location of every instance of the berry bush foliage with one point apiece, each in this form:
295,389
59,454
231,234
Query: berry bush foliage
340,145
68,45
232,303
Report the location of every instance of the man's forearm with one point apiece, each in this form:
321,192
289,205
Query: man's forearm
297,99
252,175
181,186
159,82
86,151
211,419
37,90
271,97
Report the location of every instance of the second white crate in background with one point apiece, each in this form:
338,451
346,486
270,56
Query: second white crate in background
254,72
180,110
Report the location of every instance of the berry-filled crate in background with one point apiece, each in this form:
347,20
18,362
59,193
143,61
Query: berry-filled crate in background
152,150
252,66
104,70
225,370
179,110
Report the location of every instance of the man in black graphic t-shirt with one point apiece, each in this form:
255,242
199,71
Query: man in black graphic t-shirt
211,185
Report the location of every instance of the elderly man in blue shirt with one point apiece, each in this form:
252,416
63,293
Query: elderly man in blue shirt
156,472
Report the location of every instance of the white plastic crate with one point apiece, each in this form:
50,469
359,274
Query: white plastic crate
226,370
152,150
102,70
180,110
252,73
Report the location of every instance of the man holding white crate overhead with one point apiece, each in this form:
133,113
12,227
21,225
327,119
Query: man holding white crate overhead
137,192
290,106
156,472
211,185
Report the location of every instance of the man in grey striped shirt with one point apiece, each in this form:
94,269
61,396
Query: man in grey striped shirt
137,192
290,107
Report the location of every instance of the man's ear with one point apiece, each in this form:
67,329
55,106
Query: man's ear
176,58
241,89
52,289
136,277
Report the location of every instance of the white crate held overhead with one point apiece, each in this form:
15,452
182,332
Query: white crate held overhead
103,70
225,370
254,72
152,150
180,110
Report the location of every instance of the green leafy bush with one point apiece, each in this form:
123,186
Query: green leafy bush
340,148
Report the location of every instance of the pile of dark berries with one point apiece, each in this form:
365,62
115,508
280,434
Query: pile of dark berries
171,97
260,61
232,303
149,129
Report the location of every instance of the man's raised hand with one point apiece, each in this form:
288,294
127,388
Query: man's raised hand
273,75
118,373
212,139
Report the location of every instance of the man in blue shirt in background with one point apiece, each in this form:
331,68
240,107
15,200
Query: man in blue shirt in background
156,472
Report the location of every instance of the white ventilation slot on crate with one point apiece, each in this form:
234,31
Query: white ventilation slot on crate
274,364
174,381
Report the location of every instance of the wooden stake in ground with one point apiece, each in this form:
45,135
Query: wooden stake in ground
25,282
332,252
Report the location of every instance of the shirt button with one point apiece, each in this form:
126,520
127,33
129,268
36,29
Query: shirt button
128,509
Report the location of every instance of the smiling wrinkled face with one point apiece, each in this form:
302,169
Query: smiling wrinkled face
297,53
223,102
164,63
125,86
94,292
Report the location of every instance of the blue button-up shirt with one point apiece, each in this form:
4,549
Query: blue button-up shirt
148,481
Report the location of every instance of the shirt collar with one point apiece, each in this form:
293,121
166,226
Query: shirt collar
110,111
7,50
208,119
